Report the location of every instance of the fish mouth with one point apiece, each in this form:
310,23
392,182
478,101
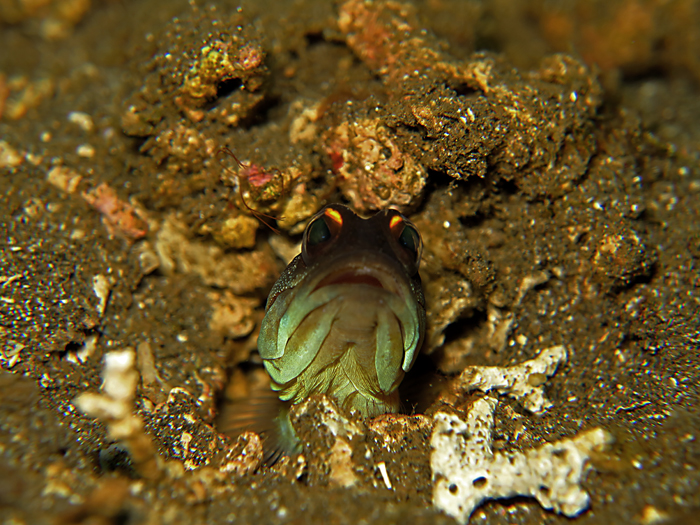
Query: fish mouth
350,277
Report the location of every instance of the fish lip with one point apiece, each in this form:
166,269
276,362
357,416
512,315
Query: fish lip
351,277
365,269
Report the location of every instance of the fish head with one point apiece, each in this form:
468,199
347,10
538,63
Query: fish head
347,316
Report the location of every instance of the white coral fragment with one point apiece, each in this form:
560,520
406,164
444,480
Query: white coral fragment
524,382
114,406
101,286
466,472
119,386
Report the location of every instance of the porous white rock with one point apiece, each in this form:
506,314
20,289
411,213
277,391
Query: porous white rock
524,382
466,472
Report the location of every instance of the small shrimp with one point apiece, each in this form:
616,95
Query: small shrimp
256,177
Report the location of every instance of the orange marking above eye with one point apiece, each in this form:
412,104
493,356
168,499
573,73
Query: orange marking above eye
395,220
334,215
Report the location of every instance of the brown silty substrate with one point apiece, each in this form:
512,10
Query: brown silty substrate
548,156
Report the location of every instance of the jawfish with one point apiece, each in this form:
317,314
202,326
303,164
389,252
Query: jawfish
347,316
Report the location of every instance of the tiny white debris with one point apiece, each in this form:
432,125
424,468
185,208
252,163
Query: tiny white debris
83,120
9,158
33,158
87,151
524,382
114,406
651,515
10,356
65,179
500,323
381,466
148,258
300,466
146,364
531,281
185,440
4,281
88,348
85,351
466,472
342,468
101,287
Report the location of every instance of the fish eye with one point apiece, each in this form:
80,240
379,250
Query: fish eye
406,236
317,232
410,240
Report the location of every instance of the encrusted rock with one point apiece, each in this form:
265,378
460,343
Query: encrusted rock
374,172
232,316
245,456
336,461
238,272
237,232
521,125
621,259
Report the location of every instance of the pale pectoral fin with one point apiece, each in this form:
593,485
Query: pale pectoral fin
263,413
390,350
